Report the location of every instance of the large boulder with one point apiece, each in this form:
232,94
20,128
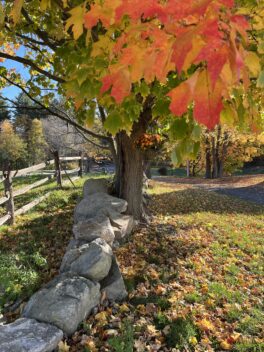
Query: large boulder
122,225
113,285
91,229
96,205
71,255
65,302
28,335
92,261
95,185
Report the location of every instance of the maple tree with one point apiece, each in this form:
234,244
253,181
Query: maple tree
135,63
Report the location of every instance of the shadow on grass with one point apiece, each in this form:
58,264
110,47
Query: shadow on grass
254,193
198,200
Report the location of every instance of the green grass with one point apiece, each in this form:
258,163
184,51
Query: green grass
214,245
22,181
31,251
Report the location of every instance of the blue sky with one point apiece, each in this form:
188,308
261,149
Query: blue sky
11,92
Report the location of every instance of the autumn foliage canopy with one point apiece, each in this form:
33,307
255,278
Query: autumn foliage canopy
157,37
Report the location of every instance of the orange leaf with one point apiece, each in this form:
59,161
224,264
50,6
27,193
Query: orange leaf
208,101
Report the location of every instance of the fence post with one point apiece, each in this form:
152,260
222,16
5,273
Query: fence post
8,184
80,172
57,168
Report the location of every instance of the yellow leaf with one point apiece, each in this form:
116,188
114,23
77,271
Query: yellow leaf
225,345
124,308
63,347
193,340
101,317
16,10
205,325
76,21
253,63
44,4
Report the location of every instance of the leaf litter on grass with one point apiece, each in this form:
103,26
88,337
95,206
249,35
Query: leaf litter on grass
195,279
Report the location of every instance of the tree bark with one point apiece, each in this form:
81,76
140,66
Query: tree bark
129,176
208,165
130,160
214,159
223,156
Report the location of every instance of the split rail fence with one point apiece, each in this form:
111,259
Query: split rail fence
57,173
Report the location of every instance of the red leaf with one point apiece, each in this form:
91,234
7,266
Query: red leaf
120,83
208,101
182,95
180,99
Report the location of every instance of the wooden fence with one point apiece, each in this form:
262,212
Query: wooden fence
11,194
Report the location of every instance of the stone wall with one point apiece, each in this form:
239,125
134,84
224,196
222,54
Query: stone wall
89,272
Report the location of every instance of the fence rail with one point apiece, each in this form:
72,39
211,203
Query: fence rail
9,200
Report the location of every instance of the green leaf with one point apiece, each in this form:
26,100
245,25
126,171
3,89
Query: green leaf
178,129
196,133
260,82
113,123
161,108
228,116
89,119
143,89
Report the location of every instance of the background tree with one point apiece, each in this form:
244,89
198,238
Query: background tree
12,147
37,147
4,112
225,150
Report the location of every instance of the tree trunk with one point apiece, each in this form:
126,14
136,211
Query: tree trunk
217,152
214,158
129,174
147,168
208,165
223,156
188,168
57,168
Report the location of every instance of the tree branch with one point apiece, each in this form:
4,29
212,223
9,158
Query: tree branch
54,113
42,34
28,62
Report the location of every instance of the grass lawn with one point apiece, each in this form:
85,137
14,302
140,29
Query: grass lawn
22,181
194,276
31,251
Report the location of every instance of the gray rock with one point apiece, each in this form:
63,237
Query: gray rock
95,185
89,230
98,204
75,244
122,225
71,255
113,285
28,335
65,302
94,262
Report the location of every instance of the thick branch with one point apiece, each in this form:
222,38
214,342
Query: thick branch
28,62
